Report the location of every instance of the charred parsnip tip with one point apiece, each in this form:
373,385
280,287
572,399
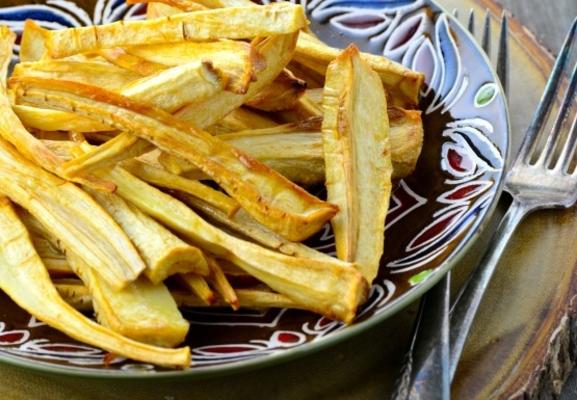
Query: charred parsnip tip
357,159
330,287
220,283
71,216
232,23
23,277
163,252
141,311
276,51
237,60
282,94
269,197
199,287
78,296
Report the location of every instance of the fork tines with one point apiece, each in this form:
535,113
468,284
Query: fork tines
537,128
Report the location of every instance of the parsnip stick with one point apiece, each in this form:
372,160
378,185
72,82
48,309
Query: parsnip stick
296,150
357,158
282,94
220,283
239,23
162,178
269,197
163,252
199,286
330,287
24,278
70,215
102,74
78,296
141,311
245,225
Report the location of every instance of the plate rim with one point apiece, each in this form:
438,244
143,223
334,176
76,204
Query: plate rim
270,360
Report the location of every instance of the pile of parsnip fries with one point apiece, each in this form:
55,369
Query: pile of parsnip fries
152,164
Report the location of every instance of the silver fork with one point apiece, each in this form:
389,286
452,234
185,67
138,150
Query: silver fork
426,371
535,181
544,183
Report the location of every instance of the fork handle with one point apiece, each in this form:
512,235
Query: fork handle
468,301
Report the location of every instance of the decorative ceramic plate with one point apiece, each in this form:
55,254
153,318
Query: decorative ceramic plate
435,213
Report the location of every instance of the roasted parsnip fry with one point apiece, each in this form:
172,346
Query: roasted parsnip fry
224,3
163,252
357,159
199,286
70,215
282,94
168,90
12,130
220,283
78,296
179,86
403,84
313,79
241,222
269,197
102,74
330,287
141,311
241,119
296,150
32,43
162,178
237,60
118,56
10,127
244,117
52,120
119,148
276,51
158,10
24,278
231,23
180,5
